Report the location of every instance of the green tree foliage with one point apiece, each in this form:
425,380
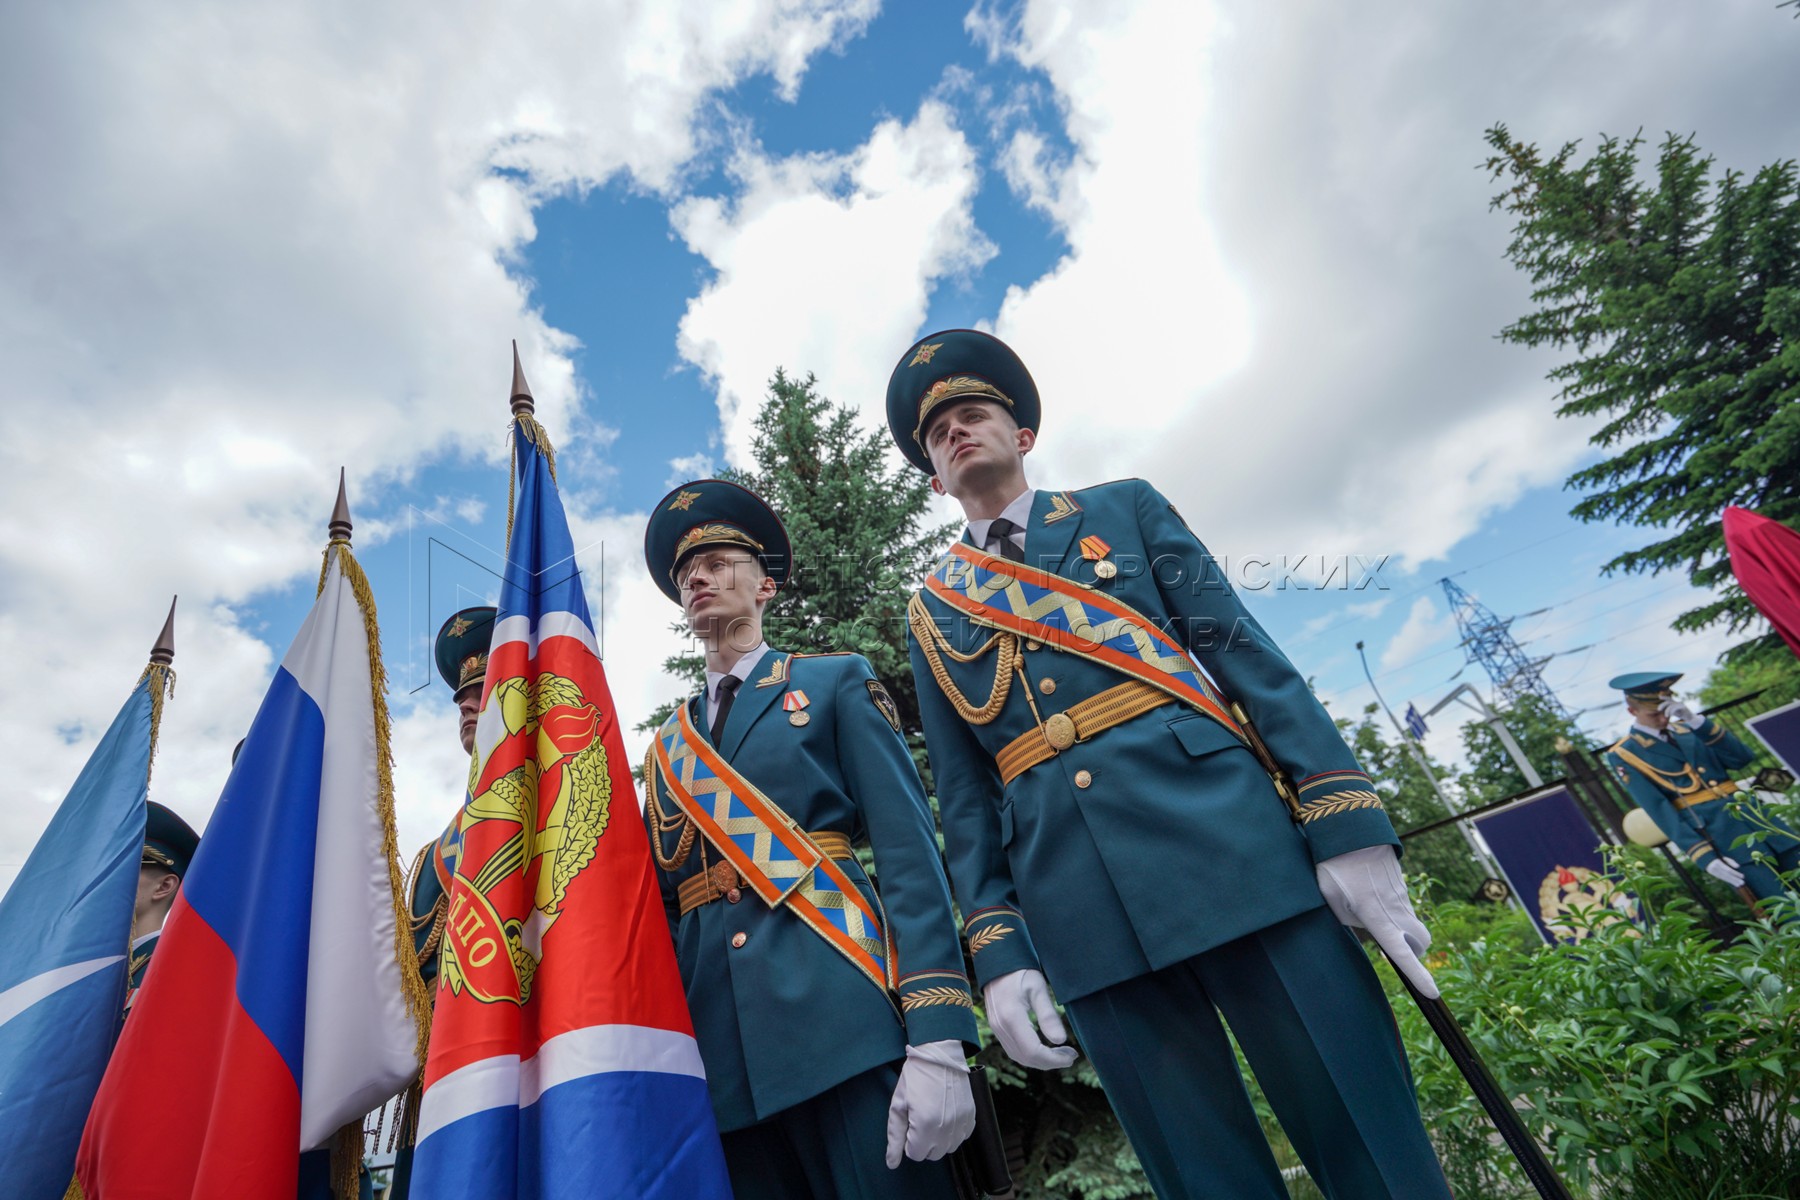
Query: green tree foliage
1679,295
858,518
1492,774
1774,672
1442,856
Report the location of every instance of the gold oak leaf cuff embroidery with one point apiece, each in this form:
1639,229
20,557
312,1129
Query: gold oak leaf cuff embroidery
1339,802
931,997
983,938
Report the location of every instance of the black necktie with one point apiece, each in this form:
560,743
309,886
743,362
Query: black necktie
728,687
1000,532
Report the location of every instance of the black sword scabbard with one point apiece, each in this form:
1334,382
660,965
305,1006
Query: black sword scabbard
1499,1109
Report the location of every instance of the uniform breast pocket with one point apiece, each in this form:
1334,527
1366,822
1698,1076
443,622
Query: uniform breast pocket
1200,735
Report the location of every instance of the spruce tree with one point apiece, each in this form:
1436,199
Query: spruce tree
1678,295
859,521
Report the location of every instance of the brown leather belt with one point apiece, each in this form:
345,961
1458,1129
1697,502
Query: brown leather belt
1082,720
1717,791
722,880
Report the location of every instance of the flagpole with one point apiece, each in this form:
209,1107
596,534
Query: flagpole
1418,753
347,1145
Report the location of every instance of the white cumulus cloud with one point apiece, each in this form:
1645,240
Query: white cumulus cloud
825,262
246,244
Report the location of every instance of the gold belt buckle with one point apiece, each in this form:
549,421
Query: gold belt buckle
1059,731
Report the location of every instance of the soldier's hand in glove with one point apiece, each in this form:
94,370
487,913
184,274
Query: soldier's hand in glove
1675,710
1011,1000
1364,888
1725,870
933,1109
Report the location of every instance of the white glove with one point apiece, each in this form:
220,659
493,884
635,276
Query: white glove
1725,870
933,1109
1675,710
1011,1000
1364,888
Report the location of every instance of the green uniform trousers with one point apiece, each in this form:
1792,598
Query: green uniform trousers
1303,1001
832,1147
1761,880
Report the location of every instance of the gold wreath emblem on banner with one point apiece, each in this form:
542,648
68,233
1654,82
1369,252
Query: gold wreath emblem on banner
556,798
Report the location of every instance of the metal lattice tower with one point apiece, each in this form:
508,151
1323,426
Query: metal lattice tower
1489,641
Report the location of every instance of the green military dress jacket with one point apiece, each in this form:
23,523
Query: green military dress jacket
1664,778
1159,838
780,1015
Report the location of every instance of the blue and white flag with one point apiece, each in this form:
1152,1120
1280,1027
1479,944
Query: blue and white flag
65,930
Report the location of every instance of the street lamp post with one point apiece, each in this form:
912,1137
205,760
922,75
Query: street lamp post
1466,692
1475,846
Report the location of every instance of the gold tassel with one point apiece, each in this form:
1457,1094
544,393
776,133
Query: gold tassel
534,433
346,1161
75,1192
405,1130
162,684
412,985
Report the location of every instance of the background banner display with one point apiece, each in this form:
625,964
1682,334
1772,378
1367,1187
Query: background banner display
1779,728
1549,852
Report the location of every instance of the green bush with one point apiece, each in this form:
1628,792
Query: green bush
1654,1063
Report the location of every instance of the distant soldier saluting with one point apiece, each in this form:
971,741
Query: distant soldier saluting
1678,766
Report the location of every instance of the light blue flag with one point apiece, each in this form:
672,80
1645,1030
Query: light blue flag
65,932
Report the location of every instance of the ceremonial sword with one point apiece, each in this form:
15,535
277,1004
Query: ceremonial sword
1499,1109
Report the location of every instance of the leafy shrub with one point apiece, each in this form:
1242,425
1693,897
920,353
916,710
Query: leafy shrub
1653,1062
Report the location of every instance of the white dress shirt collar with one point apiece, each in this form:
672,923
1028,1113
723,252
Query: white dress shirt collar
1018,512
741,669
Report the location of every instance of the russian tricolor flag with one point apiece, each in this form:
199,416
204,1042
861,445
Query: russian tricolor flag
563,1061
274,1012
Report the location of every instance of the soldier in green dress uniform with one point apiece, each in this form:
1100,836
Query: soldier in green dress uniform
834,1023
169,846
1110,825
461,654
1678,766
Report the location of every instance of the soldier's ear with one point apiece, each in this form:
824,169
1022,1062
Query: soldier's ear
937,485
1026,439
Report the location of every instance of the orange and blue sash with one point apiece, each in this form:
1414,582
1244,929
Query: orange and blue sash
776,858
1001,594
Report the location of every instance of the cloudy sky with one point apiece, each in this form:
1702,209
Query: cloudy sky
1244,247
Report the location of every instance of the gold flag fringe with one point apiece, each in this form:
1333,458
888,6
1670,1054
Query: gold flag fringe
162,684
346,1161
418,999
75,1192
534,433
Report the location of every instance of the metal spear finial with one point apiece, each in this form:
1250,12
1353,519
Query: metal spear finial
522,403
339,529
163,653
